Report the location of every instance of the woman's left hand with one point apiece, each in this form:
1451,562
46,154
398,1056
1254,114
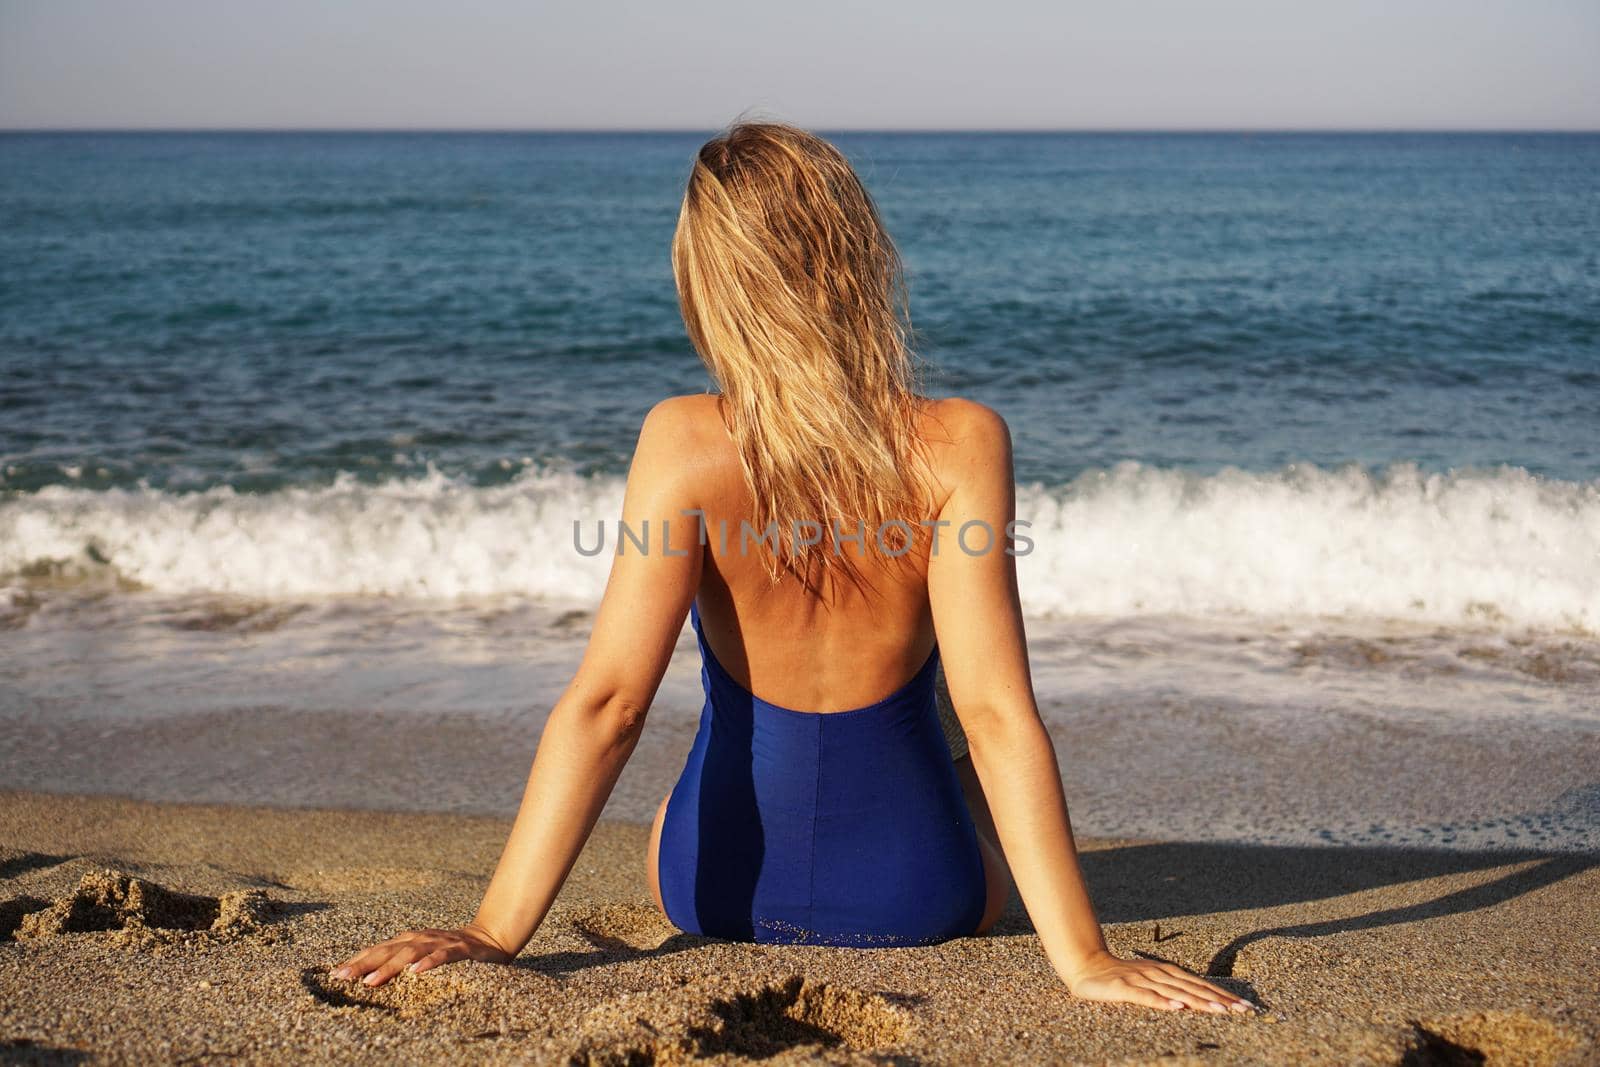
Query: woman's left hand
421,950
1152,983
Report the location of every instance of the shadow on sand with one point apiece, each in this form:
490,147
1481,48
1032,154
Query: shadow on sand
1139,883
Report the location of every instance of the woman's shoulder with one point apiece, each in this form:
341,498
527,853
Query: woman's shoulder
968,446
694,414
690,428
959,425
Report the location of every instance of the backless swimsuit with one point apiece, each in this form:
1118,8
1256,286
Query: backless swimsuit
827,828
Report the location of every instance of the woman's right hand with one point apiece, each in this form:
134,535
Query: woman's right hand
1154,984
421,950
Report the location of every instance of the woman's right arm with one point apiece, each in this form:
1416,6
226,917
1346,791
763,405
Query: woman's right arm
594,727
978,618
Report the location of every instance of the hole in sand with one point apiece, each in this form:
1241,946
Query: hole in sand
624,927
27,1050
112,900
1430,1049
342,993
776,1018
403,995
1492,1038
797,1012
13,911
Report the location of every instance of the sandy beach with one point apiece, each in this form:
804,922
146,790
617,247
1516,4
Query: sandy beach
1357,955
1388,843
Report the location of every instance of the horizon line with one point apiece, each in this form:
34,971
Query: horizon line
1164,130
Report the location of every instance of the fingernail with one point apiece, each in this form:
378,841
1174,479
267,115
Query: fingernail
413,967
1215,1008
371,979
1240,1005
1175,1003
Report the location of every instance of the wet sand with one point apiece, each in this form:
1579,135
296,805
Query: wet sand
1358,954
1173,766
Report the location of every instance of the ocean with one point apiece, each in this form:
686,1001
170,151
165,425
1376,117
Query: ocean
1307,428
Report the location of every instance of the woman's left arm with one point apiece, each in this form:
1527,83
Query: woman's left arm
594,726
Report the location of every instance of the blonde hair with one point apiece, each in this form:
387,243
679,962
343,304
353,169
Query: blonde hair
794,297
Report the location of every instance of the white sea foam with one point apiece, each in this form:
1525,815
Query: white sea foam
1499,547
430,536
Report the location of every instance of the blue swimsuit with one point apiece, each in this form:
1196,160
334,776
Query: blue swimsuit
827,828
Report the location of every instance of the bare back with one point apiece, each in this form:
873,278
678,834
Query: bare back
840,646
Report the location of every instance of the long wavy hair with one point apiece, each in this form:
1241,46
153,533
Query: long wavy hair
794,296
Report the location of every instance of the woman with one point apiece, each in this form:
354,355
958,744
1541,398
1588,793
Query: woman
834,537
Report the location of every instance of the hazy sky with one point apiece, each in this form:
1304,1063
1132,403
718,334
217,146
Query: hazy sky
832,64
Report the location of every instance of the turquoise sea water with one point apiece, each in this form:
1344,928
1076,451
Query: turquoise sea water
268,310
